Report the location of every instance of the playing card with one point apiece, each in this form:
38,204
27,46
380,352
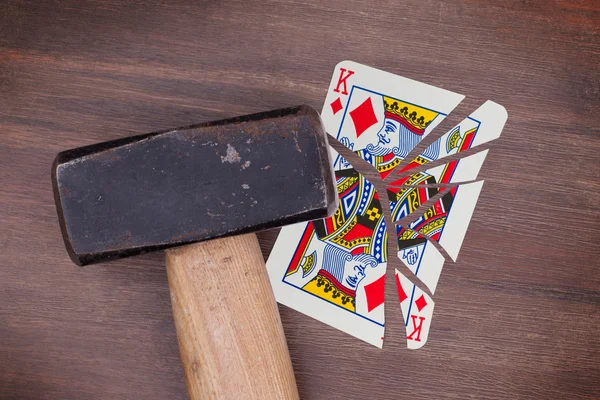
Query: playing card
381,116
417,310
333,269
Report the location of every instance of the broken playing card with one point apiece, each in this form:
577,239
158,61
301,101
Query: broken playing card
334,269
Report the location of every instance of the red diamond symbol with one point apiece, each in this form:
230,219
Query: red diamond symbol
363,117
401,293
375,292
336,105
421,303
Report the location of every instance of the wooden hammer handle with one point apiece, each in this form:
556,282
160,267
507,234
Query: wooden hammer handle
230,336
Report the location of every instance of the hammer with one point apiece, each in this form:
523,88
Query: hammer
177,189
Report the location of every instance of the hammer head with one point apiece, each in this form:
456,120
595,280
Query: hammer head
170,188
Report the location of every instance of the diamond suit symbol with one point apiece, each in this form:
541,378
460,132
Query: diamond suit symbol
375,293
363,117
336,106
421,303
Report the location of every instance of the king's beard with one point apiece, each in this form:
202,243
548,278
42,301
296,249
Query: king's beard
379,150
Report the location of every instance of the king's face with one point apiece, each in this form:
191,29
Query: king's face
388,135
388,139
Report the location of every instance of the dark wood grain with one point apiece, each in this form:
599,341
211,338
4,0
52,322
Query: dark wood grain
516,317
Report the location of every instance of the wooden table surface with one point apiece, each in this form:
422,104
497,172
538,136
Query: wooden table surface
516,317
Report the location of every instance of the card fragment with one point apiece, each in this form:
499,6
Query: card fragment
482,126
417,310
447,221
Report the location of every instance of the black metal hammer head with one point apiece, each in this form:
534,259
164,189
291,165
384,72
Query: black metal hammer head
165,189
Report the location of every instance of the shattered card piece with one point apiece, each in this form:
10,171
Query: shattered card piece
382,116
333,269
483,125
421,257
417,310
447,220
454,224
